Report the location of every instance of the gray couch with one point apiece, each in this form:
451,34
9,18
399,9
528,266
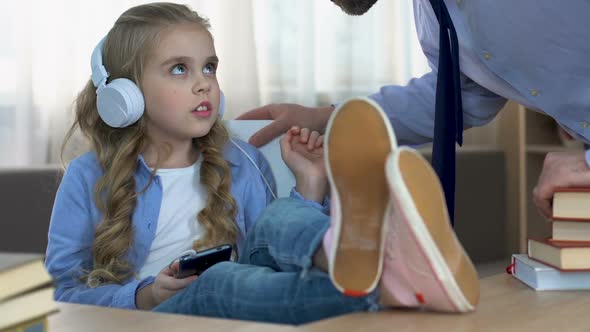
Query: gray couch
27,195
26,199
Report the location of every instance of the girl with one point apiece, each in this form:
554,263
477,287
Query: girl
168,182
162,178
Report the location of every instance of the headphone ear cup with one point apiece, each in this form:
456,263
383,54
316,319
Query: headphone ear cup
120,103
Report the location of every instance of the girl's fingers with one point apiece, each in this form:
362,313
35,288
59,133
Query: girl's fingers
167,278
170,283
320,141
174,284
288,136
171,269
312,140
285,144
291,133
304,135
189,280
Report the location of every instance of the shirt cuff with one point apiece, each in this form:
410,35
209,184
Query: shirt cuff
324,207
588,158
139,286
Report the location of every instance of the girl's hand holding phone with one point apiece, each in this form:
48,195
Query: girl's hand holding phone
165,286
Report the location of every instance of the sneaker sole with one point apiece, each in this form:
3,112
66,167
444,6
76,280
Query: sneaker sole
358,141
419,189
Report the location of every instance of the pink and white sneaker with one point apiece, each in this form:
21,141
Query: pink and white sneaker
358,140
424,265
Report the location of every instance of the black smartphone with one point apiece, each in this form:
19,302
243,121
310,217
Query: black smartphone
195,263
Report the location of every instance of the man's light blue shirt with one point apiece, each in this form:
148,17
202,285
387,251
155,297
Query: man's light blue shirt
532,51
75,217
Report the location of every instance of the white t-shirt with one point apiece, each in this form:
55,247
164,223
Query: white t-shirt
183,198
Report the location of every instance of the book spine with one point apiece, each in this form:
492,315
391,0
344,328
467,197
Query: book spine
525,274
558,218
572,190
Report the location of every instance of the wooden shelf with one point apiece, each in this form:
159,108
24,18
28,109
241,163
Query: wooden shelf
524,137
530,136
464,149
546,148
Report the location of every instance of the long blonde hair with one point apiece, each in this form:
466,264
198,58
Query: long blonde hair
126,49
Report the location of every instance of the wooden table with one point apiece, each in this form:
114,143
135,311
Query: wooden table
77,317
506,305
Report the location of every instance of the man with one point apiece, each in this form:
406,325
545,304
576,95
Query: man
532,51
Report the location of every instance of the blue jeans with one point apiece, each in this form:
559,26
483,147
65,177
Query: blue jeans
274,280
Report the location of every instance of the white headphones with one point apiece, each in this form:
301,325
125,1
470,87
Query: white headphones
120,103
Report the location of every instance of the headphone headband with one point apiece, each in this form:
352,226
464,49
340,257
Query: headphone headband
99,72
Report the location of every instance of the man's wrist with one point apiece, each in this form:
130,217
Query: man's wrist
327,112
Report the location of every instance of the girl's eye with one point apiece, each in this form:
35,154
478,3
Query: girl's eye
209,68
178,69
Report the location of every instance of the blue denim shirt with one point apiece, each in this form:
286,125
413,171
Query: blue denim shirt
75,217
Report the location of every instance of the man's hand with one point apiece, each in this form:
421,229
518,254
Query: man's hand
303,152
560,169
286,116
163,288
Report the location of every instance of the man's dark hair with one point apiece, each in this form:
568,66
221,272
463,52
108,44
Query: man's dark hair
355,7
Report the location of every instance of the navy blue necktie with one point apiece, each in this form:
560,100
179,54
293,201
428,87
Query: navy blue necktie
448,119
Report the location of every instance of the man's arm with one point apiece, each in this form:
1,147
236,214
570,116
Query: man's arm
411,108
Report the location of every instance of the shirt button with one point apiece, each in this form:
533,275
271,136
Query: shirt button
459,2
487,55
584,124
534,92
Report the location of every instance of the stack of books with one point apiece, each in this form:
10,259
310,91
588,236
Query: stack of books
561,262
26,293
